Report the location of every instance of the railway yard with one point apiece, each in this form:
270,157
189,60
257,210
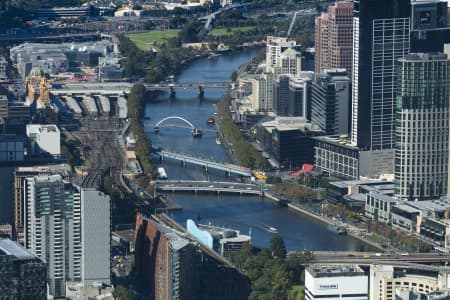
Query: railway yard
99,120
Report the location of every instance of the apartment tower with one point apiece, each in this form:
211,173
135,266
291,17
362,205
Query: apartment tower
422,129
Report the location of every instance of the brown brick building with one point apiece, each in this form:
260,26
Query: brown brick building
171,265
334,38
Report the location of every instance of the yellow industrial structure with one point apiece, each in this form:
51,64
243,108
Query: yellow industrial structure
38,88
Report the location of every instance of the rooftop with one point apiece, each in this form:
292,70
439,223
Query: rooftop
424,57
8,247
342,141
349,183
433,205
335,270
289,123
177,242
407,208
60,168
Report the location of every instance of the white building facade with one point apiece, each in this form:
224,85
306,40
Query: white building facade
336,282
69,228
44,139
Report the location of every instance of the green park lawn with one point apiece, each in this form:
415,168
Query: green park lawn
224,31
145,40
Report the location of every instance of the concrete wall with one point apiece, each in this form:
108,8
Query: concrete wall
95,236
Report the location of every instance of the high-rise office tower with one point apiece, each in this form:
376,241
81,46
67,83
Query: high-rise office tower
429,25
422,131
300,95
380,37
281,95
292,95
330,104
66,226
333,38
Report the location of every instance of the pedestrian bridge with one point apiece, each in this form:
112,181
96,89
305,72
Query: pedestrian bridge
206,164
208,186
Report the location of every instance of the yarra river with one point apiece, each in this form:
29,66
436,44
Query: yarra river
247,214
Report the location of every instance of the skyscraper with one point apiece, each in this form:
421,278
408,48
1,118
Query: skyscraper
281,95
380,37
333,38
429,25
330,105
65,226
422,131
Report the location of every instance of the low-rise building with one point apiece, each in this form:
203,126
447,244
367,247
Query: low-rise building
63,12
288,141
336,282
379,207
388,283
44,139
222,240
405,217
337,156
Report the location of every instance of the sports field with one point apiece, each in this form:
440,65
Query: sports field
145,40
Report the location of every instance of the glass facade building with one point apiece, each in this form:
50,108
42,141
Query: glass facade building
380,37
422,126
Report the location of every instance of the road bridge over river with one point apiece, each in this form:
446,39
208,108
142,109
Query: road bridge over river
206,164
200,86
208,186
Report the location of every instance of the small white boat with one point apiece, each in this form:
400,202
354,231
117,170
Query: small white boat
271,229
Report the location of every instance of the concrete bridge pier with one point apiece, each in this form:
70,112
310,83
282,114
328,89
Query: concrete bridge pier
201,92
205,167
172,92
228,173
183,163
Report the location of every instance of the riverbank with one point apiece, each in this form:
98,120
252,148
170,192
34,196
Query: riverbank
323,220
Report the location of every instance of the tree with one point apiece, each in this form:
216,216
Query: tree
277,247
189,32
273,179
121,293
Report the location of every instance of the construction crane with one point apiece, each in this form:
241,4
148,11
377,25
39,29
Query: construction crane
292,24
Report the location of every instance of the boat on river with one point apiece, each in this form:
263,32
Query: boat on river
196,132
270,229
162,173
210,121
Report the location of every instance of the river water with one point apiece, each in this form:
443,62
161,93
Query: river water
247,214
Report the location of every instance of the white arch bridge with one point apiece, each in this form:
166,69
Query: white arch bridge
196,131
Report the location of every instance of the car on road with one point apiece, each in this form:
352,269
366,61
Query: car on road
249,188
